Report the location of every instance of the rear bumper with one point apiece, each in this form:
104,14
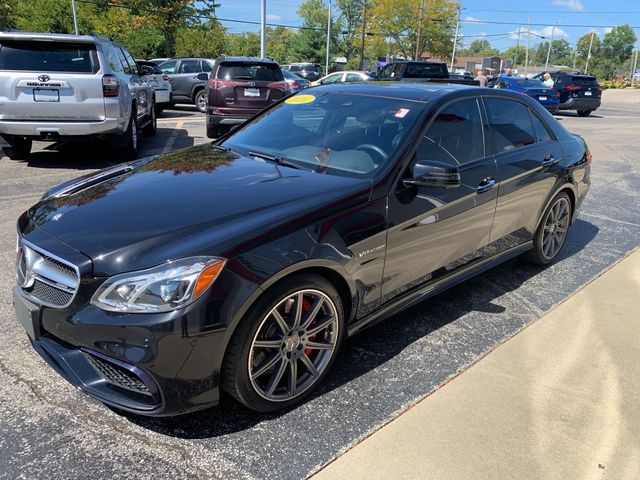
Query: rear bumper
234,118
580,103
42,129
162,96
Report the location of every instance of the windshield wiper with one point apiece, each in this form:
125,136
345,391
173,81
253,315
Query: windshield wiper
219,147
275,159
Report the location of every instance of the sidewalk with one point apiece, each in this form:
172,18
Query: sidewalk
560,400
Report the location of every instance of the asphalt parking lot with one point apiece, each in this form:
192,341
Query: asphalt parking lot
48,428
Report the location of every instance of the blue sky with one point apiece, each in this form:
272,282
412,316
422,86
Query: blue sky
587,15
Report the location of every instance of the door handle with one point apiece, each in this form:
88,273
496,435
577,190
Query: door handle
548,160
486,185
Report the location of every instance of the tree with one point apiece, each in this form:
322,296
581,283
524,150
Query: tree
206,40
481,48
400,19
279,42
170,15
560,53
516,54
53,16
310,42
245,44
7,14
351,18
616,50
582,50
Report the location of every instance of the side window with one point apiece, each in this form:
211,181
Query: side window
397,70
168,67
542,134
133,66
557,80
386,71
122,60
511,124
455,136
188,66
112,58
335,78
353,77
205,66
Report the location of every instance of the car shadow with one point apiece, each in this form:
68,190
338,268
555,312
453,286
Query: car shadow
570,113
97,155
378,344
179,111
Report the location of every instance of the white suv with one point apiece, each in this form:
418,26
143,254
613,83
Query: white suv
58,87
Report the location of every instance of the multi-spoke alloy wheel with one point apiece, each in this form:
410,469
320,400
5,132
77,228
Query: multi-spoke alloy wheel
552,232
293,345
556,226
285,345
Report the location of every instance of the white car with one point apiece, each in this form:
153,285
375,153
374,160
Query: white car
348,76
159,81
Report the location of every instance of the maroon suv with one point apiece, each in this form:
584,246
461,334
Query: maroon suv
238,88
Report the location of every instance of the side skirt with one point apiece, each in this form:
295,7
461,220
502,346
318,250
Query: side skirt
417,296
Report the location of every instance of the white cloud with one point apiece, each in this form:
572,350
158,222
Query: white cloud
570,4
558,34
273,18
473,19
606,30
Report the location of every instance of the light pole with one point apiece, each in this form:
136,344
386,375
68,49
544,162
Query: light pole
634,68
364,28
586,65
455,38
419,28
526,56
263,28
75,18
326,65
515,54
553,31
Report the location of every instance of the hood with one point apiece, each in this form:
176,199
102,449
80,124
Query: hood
196,201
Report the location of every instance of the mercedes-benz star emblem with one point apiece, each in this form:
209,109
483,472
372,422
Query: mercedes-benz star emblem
44,78
24,272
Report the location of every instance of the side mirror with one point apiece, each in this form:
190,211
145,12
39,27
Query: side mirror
203,76
431,173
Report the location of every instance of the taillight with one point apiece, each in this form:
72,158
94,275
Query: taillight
280,85
110,86
212,83
294,85
571,87
165,77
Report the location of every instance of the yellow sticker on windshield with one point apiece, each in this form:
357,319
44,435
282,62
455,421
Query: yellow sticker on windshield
300,99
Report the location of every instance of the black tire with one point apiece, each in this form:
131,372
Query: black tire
151,128
544,252
294,349
216,131
19,150
160,109
200,100
584,113
129,145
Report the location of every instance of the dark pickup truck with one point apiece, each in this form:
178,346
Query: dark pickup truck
419,71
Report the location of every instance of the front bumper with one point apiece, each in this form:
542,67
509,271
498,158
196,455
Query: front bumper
43,129
162,96
580,103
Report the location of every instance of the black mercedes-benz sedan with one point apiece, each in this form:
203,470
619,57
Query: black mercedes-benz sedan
243,264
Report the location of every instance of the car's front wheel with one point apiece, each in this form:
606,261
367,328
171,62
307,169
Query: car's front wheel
552,231
285,345
201,101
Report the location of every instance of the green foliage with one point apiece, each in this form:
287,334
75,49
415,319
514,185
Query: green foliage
206,40
279,44
351,19
53,16
481,48
7,14
310,43
245,44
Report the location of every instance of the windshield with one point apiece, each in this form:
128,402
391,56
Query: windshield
269,72
530,83
331,132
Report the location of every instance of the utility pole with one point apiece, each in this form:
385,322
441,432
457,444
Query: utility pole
364,28
326,68
75,18
419,28
553,31
575,57
263,28
586,65
635,67
526,57
515,55
455,39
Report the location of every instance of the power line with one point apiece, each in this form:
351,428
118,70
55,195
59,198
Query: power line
495,22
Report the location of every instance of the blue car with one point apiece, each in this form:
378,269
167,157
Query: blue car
548,97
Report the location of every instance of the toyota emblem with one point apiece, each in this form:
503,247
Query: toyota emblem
24,272
44,78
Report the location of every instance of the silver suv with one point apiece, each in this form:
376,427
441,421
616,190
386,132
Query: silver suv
58,87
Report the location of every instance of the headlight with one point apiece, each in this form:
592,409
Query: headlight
159,289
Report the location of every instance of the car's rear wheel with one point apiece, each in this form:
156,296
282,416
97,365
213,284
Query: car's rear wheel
584,113
552,232
201,101
19,150
216,131
285,345
129,146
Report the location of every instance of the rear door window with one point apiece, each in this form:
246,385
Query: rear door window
133,66
168,67
188,66
584,81
205,66
425,70
511,124
247,71
542,133
37,56
455,136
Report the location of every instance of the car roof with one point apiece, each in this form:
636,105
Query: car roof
62,37
418,92
231,58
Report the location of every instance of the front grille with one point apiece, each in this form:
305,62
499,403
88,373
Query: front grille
48,280
118,375
48,294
